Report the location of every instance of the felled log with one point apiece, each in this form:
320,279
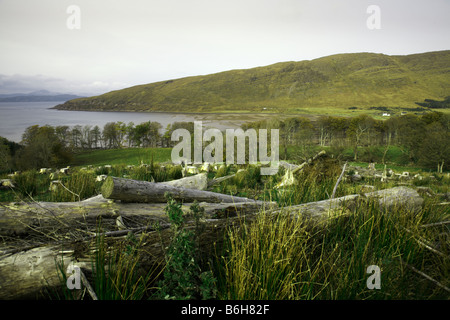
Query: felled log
26,273
198,182
220,179
388,200
36,273
309,161
128,190
291,170
22,220
287,165
31,272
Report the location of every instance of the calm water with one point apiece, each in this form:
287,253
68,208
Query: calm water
15,117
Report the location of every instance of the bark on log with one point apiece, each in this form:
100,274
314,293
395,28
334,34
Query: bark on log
220,179
389,200
197,182
23,220
128,190
25,274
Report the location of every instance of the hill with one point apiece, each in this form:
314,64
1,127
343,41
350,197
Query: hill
355,80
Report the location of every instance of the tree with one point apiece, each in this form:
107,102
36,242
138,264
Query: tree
154,133
338,129
8,149
76,137
303,136
63,134
42,148
189,126
358,126
288,129
130,133
324,130
110,135
5,158
96,137
86,137
388,130
435,148
121,133
410,133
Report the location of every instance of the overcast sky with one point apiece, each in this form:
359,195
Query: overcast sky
122,43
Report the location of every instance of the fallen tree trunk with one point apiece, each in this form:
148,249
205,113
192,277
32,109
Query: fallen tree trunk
388,200
198,182
37,273
20,221
220,179
128,190
27,273
31,271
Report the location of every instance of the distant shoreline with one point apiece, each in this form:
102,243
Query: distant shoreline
198,113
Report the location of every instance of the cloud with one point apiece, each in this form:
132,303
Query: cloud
23,84
19,83
142,41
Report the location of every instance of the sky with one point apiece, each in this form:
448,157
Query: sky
91,47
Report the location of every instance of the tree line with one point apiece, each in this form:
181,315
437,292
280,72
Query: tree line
54,146
422,139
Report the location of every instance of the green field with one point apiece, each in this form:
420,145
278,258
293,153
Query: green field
136,156
127,156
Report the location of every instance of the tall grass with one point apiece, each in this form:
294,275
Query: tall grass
277,257
263,259
116,272
76,187
81,184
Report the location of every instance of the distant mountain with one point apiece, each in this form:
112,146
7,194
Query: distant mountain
337,82
37,96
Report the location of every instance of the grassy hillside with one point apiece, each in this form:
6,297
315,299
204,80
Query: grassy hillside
337,82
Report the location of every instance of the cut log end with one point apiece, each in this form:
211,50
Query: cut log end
107,187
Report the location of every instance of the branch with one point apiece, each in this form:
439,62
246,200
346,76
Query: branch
425,276
88,286
339,180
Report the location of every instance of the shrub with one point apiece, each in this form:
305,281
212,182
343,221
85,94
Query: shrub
248,178
30,183
143,173
174,172
78,186
183,276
